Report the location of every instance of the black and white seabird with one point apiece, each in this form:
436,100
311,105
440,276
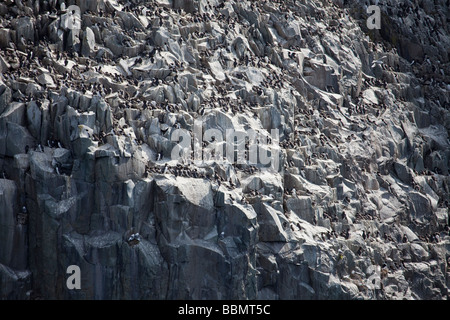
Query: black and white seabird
135,237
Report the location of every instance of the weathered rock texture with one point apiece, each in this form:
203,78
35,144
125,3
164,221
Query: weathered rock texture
357,210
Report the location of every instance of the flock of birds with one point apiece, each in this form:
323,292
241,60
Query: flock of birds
27,58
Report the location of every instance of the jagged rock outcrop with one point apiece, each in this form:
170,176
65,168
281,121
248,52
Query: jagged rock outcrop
349,201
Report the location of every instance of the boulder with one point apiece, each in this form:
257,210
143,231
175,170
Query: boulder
270,223
13,231
62,156
34,119
16,284
24,28
14,113
46,80
188,6
129,20
41,165
302,207
403,172
5,97
421,209
5,38
14,139
88,43
418,253
4,65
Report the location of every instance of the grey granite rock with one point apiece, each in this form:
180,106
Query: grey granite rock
356,207
88,42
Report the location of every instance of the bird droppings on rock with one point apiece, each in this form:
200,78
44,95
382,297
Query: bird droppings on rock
356,205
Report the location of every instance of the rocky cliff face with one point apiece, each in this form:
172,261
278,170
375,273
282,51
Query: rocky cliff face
91,95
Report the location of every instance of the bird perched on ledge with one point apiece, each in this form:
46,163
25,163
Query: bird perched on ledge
134,239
